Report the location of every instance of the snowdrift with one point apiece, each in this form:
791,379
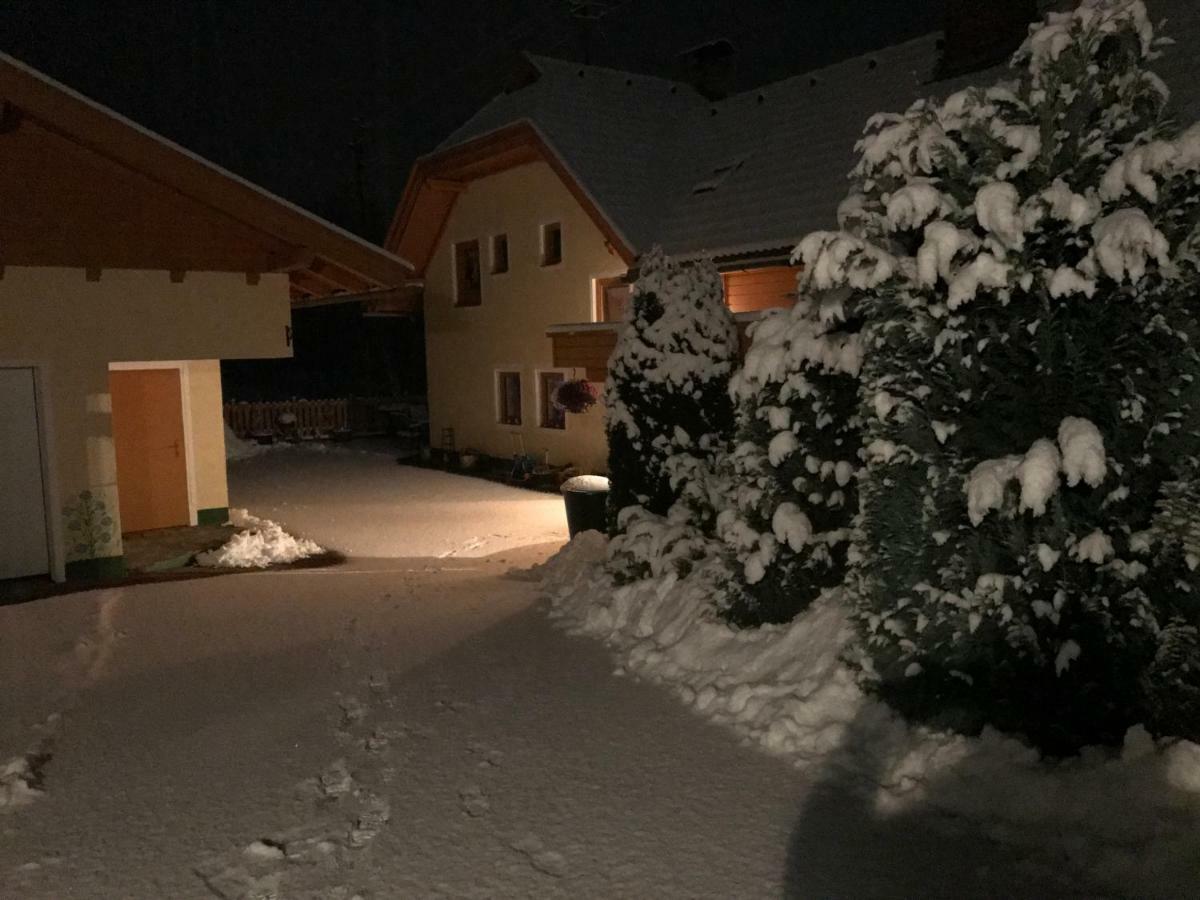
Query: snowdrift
1127,821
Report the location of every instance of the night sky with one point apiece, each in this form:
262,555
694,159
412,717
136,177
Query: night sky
328,103
280,92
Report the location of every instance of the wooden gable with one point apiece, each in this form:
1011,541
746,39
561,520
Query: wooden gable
84,187
436,181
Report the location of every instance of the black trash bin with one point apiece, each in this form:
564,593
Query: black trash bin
586,497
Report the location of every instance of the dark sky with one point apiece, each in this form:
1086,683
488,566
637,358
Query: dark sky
280,91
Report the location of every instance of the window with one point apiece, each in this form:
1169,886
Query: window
508,391
466,274
499,254
550,415
551,244
612,298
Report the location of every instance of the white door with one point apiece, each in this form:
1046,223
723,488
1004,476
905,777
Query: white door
23,545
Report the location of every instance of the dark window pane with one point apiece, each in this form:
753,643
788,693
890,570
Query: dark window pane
509,389
499,254
551,244
466,274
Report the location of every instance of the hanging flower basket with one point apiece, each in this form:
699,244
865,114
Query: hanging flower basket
574,396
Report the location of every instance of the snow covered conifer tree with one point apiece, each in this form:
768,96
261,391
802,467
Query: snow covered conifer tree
1029,262
669,415
796,456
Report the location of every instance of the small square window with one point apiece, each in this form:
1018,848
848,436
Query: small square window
499,254
508,395
552,244
551,416
466,274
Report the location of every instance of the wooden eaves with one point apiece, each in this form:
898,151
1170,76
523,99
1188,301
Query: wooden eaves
85,187
436,181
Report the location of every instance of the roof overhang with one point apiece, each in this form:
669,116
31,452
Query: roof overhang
83,186
436,181
398,301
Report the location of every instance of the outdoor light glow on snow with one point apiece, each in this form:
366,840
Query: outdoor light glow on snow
889,586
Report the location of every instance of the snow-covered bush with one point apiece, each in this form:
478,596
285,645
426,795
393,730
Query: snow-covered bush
1026,258
669,417
793,468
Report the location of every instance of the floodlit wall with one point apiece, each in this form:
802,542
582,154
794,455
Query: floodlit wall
205,408
467,346
73,328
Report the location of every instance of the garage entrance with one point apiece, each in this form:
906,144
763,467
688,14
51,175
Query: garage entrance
24,549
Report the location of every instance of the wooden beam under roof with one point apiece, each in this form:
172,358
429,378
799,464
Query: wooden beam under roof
243,225
311,285
403,300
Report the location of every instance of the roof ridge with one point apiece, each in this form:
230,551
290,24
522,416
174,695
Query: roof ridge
812,73
535,58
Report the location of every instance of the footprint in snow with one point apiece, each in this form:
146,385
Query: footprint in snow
374,813
549,862
473,801
377,681
353,711
336,780
489,758
376,742
250,878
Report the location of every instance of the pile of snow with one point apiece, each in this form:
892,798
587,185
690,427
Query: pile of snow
1129,821
17,780
236,448
263,543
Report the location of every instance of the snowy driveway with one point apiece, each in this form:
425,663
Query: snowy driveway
404,727
364,504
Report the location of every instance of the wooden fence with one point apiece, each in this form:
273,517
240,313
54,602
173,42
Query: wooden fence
314,418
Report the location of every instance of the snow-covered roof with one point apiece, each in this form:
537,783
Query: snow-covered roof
610,127
754,172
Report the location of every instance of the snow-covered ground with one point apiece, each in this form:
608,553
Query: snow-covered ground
365,504
1123,822
410,727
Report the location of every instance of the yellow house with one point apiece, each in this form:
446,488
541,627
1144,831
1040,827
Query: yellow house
525,218
129,268
524,226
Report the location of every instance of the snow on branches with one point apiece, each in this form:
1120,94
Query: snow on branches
1024,258
668,411
797,446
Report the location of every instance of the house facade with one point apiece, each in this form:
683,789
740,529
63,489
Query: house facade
501,275
622,162
128,269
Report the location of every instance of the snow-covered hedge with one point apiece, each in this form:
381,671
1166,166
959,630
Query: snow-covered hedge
1024,257
669,416
794,465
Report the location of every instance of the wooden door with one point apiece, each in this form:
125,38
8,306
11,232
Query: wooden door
147,424
23,546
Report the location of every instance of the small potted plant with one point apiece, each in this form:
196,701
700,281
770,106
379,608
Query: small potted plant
469,458
575,396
